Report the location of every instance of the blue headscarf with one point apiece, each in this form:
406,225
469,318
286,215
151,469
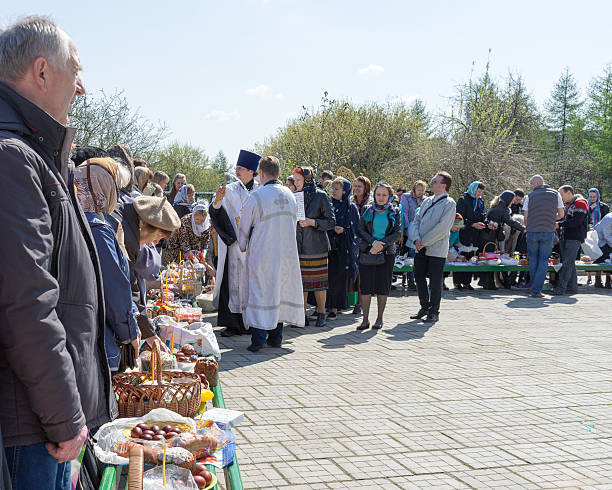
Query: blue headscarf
347,216
596,211
341,208
181,196
478,204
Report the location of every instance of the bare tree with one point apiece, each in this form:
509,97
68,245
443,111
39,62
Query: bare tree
105,120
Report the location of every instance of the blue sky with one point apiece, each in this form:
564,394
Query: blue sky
223,75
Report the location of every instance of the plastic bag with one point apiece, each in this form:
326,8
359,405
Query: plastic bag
590,246
177,478
111,433
200,335
205,301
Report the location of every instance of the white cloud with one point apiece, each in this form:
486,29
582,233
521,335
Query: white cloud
371,69
259,91
279,96
221,115
406,99
266,2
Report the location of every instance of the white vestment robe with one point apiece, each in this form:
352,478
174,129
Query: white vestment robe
271,289
236,196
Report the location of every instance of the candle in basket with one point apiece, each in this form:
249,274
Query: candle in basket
164,466
172,341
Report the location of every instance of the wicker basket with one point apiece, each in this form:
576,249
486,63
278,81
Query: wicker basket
189,283
136,400
483,254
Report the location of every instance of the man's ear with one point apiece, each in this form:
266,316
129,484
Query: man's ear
40,73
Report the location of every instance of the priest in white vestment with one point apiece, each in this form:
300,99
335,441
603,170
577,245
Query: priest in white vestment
271,287
225,215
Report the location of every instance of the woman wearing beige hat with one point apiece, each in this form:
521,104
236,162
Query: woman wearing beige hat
146,219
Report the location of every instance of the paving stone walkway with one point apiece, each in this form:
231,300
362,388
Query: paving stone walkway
505,391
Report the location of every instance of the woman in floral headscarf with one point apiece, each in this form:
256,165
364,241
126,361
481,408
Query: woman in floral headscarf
97,182
312,240
191,238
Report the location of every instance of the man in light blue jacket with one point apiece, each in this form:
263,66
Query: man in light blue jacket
433,223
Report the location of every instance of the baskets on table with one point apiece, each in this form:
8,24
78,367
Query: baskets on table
176,391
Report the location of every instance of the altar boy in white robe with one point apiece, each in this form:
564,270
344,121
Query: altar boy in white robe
272,283
225,215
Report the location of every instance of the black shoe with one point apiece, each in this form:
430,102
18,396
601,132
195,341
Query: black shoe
468,287
321,320
412,286
332,316
459,287
314,314
364,325
377,325
255,348
357,310
276,346
598,283
431,318
228,332
444,287
571,291
556,292
421,313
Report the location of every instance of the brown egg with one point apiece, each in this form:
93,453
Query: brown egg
136,432
200,481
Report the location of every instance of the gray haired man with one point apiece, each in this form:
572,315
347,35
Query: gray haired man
54,377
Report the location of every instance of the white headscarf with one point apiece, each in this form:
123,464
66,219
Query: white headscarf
199,229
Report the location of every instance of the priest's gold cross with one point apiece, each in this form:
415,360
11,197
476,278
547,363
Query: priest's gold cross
281,201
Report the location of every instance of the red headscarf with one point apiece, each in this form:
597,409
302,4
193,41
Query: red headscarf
366,193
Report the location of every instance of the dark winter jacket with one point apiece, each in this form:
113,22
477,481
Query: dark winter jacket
393,233
137,255
182,209
500,214
603,210
121,326
574,224
469,235
54,377
312,240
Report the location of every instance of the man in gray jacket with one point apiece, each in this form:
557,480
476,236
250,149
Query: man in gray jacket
433,223
54,378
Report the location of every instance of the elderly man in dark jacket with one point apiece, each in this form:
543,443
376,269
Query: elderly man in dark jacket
54,378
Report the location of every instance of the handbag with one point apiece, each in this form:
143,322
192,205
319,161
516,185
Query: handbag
366,258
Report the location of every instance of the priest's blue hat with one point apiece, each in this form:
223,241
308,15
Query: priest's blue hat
248,160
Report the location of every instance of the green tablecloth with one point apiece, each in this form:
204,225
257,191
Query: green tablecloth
507,268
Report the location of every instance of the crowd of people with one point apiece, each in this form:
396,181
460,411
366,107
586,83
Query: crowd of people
88,227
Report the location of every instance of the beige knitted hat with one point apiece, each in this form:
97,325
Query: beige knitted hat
157,212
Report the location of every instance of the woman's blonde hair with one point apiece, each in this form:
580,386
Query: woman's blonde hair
496,200
419,183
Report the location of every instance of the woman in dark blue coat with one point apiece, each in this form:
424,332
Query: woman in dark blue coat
344,254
